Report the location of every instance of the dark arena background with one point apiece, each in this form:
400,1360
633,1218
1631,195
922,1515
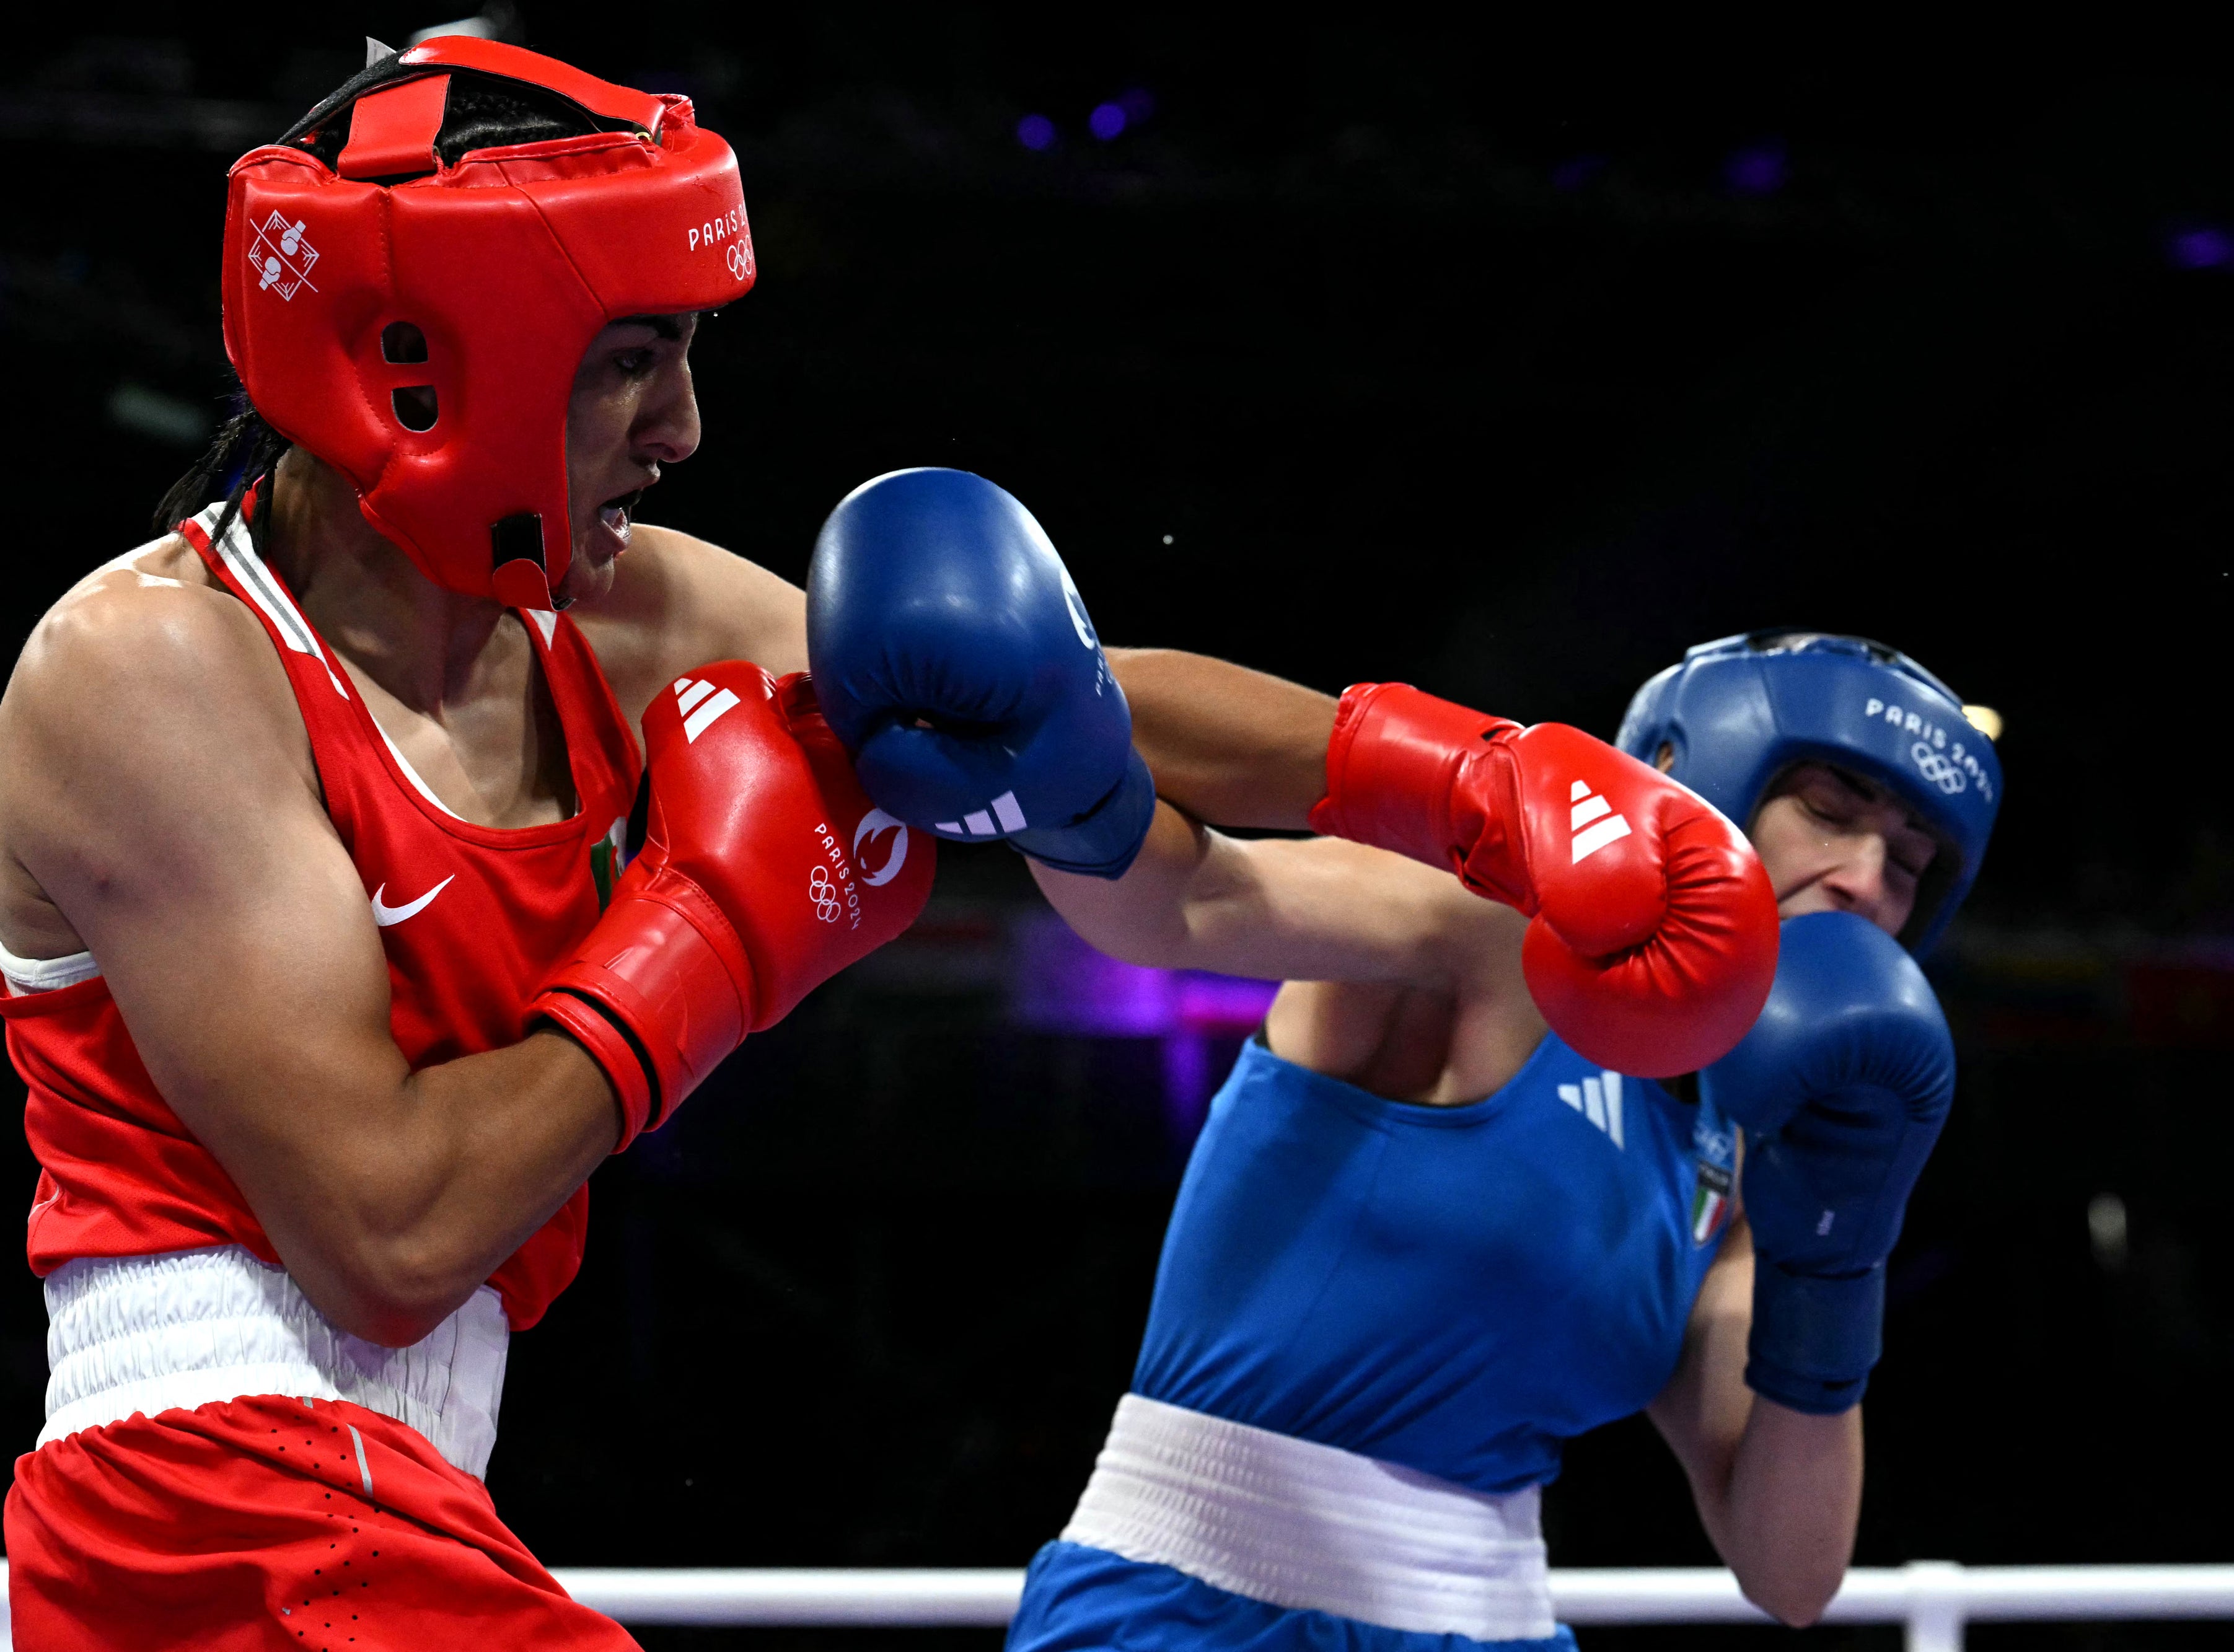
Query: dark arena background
1506,363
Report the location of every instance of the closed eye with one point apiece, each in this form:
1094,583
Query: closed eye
1827,813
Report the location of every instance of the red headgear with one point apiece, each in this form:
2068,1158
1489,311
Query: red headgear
506,264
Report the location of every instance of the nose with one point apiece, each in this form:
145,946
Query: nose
667,430
1857,881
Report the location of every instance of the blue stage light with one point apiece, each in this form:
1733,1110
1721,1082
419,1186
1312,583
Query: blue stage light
2199,246
1757,170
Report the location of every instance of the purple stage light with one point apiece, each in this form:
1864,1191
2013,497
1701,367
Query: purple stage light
1139,104
2199,246
1107,120
1058,983
1759,170
1036,132
1574,173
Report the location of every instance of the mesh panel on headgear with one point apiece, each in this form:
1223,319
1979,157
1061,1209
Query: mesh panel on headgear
1742,710
501,265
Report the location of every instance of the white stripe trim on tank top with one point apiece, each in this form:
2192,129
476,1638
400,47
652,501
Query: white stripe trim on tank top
27,976
240,553
412,775
1314,1528
237,551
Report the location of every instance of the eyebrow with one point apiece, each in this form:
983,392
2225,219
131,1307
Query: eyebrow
1870,792
667,327
1867,790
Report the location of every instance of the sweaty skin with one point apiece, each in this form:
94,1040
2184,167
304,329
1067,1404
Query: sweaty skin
1400,981
164,811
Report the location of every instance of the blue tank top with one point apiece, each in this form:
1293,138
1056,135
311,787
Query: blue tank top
1457,1289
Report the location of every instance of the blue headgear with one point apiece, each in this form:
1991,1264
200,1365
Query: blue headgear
1740,711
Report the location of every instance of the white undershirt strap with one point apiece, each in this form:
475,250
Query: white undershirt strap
27,975
410,773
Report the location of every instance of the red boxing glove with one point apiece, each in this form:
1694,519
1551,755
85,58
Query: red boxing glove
766,870
1654,943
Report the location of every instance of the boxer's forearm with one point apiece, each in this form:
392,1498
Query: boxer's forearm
1320,909
1228,745
1786,1524
1778,1493
425,1189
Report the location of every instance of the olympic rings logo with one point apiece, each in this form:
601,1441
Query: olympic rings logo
824,894
740,261
1947,776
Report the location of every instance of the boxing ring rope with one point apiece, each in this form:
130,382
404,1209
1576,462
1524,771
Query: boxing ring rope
1933,1598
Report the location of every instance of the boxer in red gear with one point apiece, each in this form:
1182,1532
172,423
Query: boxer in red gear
308,807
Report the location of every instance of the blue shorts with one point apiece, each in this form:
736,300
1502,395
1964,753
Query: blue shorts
1078,1599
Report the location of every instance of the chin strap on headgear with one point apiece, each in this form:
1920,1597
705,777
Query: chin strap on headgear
418,326
1739,712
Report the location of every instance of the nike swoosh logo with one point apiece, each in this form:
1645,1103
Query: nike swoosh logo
383,914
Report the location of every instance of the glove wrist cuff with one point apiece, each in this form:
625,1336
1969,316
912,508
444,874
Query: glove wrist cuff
651,988
1104,841
616,1049
1814,1339
1398,778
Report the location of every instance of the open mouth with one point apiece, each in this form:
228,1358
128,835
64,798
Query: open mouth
616,512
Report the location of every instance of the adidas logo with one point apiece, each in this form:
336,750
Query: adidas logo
701,706
1598,1100
1591,837
981,823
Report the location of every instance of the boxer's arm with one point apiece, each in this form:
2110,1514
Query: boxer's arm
677,601
1780,1492
1277,908
163,796
1230,746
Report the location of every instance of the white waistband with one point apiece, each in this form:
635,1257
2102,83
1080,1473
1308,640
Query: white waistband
155,1333
1314,1528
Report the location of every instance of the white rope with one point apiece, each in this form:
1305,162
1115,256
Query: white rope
805,1598
1935,1598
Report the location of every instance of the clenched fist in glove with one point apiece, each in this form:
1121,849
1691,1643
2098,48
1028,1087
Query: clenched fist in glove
1655,935
765,871
1842,1087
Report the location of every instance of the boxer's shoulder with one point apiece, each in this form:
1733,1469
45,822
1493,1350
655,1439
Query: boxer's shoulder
1453,1027
151,612
678,601
148,652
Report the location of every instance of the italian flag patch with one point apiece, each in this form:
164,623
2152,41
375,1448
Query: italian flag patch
1710,1201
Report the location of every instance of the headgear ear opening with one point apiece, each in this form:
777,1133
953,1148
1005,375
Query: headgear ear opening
410,304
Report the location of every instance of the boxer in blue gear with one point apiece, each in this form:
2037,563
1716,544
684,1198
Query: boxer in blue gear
1420,1242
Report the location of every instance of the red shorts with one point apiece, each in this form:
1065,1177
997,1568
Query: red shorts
269,1523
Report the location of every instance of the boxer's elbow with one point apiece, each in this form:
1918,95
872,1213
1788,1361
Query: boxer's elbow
1796,1597
378,1257
392,1290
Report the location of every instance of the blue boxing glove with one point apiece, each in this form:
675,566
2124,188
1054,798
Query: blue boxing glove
1841,1085
953,657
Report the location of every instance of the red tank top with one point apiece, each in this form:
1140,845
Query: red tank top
472,919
